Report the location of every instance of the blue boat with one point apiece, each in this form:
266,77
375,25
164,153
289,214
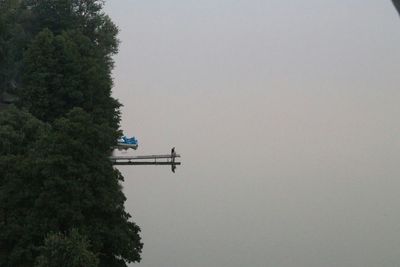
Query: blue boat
126,143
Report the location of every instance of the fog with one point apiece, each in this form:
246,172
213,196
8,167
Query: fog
286,114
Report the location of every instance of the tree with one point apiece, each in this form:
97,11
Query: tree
78,162
20,180
58,178
55,172
64,71
71,250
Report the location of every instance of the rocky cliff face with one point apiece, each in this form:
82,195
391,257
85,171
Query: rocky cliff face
6,99
397,4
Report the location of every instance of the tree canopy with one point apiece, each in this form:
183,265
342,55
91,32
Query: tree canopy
74,249
59,193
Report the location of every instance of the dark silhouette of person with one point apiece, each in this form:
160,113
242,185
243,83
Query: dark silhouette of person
173,166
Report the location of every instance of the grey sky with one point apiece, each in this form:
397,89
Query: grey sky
286,114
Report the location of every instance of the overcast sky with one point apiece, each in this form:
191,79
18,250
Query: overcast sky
286,114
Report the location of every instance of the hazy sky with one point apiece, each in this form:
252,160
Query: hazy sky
286,114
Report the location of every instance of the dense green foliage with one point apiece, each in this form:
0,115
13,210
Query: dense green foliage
57,178
63,71
74,249
59,193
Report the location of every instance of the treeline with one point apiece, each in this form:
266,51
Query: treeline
61,202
